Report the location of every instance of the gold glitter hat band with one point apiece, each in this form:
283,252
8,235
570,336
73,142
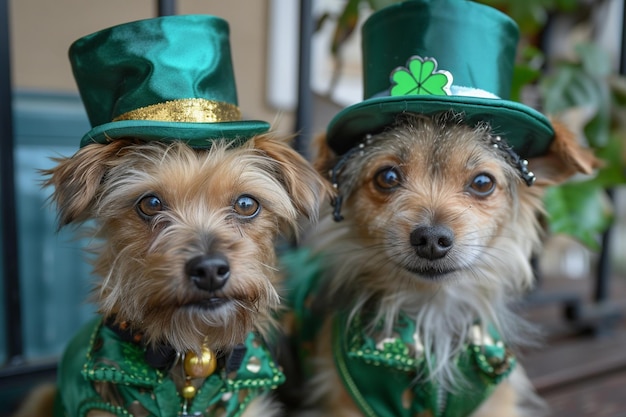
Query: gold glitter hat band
188,110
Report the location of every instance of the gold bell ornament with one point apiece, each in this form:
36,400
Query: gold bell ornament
197,367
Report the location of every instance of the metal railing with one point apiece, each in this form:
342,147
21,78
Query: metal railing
10,265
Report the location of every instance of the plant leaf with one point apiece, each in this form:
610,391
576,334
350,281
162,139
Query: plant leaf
595,60
571,85
580,210
522,76
614,171
345,25
381,4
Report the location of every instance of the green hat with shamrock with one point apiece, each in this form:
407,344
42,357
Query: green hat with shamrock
429,56
168,78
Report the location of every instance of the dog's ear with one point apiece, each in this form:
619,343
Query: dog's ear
76,180
305,186
565,158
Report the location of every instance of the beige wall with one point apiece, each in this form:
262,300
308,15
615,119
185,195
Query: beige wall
42,30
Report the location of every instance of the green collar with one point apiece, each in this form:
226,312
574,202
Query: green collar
363,360
109,361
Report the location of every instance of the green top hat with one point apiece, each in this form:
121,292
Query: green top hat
427,56
168,78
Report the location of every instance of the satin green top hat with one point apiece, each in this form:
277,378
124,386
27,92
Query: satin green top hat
168,78
428,56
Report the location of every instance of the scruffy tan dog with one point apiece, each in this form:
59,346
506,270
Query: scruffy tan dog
405,308
187,263
402,301
185,200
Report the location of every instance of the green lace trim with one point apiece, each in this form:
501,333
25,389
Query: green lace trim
123,364
379,371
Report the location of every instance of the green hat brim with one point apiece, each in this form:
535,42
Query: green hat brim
196,135
525,129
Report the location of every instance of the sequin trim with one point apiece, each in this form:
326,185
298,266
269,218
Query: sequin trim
187,110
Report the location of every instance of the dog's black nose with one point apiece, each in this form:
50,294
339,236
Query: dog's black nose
208,272
432,242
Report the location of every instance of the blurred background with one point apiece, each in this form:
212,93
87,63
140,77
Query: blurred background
296,64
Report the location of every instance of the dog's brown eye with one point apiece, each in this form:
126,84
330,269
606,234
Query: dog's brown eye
482,185
149,206
387,179
247,207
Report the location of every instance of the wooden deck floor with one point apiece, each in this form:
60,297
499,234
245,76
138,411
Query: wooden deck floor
581,368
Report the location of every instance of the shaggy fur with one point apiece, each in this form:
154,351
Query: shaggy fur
424,172
156,207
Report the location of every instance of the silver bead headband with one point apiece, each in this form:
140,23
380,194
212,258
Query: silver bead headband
515,160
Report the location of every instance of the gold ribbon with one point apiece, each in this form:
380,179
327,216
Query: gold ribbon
186,110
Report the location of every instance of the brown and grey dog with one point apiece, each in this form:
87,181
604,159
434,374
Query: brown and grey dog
187,266
185,200
410,291
403,300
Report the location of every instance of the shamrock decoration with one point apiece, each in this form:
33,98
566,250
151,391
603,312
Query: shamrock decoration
420,76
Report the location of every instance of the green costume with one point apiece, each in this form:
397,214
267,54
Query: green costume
97,355
388,376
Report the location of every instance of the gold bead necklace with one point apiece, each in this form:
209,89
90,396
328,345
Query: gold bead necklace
196,366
